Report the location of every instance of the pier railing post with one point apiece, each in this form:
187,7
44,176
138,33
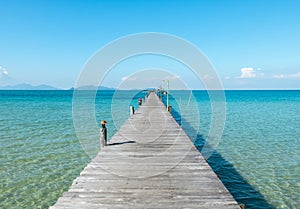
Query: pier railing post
140,101
131,110
103,134
169,108
242,206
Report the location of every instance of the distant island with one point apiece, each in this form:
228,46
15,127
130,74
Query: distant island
25,86
91,87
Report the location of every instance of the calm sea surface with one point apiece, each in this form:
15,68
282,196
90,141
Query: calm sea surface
258,157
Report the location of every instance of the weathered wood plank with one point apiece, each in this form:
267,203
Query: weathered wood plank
150,163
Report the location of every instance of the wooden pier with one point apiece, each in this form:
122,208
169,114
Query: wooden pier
149,163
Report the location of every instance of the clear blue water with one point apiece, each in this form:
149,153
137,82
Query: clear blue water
258,156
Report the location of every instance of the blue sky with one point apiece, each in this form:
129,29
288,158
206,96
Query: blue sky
252,44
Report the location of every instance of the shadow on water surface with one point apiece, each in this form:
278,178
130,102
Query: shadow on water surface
240,189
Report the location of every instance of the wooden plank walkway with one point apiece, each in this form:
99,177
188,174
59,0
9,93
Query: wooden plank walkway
150,163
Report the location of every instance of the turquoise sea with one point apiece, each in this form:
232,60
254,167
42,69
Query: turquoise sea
257,159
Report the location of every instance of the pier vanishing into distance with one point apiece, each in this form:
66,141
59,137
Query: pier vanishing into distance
149,163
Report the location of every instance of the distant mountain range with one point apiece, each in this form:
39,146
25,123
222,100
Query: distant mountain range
25,86
91,87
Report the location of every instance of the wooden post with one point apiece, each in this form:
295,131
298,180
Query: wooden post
103,134
168,95
131,110
242,206
140,101
169,108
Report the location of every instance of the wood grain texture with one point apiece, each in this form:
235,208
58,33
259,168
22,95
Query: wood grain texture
149,163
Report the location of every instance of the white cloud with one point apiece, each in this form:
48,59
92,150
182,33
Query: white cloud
125,78
250,72
207,77
3,72
295,75
279,76
5,79
227,77
247,72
